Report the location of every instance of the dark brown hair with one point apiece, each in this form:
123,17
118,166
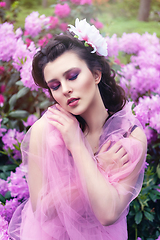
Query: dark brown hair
113,95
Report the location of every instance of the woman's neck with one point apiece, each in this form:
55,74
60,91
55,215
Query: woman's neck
96,115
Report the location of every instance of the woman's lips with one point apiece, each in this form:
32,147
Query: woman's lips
72,102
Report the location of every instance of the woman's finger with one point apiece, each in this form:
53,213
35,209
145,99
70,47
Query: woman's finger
121,152
57,114
64,111
57,118
116,147
105,146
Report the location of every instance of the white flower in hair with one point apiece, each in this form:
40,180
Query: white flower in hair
90,34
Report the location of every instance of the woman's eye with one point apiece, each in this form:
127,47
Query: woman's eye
54,87
72,76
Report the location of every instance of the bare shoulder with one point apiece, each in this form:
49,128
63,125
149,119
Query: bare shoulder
139,134
37,134
39,125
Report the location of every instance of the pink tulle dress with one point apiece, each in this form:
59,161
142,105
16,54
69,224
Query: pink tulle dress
63,210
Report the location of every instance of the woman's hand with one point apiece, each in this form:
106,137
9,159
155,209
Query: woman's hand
67,124
113,158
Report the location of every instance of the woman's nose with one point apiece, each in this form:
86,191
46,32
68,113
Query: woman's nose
66,88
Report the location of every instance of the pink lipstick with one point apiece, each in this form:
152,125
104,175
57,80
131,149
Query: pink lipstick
72,102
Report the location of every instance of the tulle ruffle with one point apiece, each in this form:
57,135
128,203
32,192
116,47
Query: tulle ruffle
63,211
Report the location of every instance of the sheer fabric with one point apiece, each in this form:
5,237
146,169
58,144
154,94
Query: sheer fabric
63,210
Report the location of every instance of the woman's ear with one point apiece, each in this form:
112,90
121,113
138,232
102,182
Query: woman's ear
97,75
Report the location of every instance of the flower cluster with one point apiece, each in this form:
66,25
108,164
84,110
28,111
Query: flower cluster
8,41
2,4
148,112
12,138
62,11
17,185
3,229
141,76
34,24
85,32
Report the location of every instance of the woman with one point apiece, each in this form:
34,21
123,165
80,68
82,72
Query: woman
86,155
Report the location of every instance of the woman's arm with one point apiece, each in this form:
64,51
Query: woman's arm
104,198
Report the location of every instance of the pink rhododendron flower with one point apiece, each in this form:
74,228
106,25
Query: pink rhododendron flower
97,23
89,2
63,26
3,229
148,112
2,69
77,2
1,100
34,24
113,46
2,4
9,139
20,55
90,34
130,43
30,121
28,41
18,185
26,76
53,22
19,32
62,11
2,88
9,208
3,187
43,41
147,58
7,41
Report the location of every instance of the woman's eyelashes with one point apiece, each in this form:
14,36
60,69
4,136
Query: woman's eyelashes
69,76
72,75
54,86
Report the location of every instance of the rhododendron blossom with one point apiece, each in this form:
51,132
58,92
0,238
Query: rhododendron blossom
113,45
34,24
31,119
2,69
62,11
97,23
7,42
3,228
63,26
89,2
53,22
2,4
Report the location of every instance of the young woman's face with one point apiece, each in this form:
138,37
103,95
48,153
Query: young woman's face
71,82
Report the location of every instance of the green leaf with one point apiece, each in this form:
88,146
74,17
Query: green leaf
18,114
2,199
158,170
7,195
10,167
19,83
13,79
22,92
136,206
138,217
5,120
13,100
3,176
149,216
